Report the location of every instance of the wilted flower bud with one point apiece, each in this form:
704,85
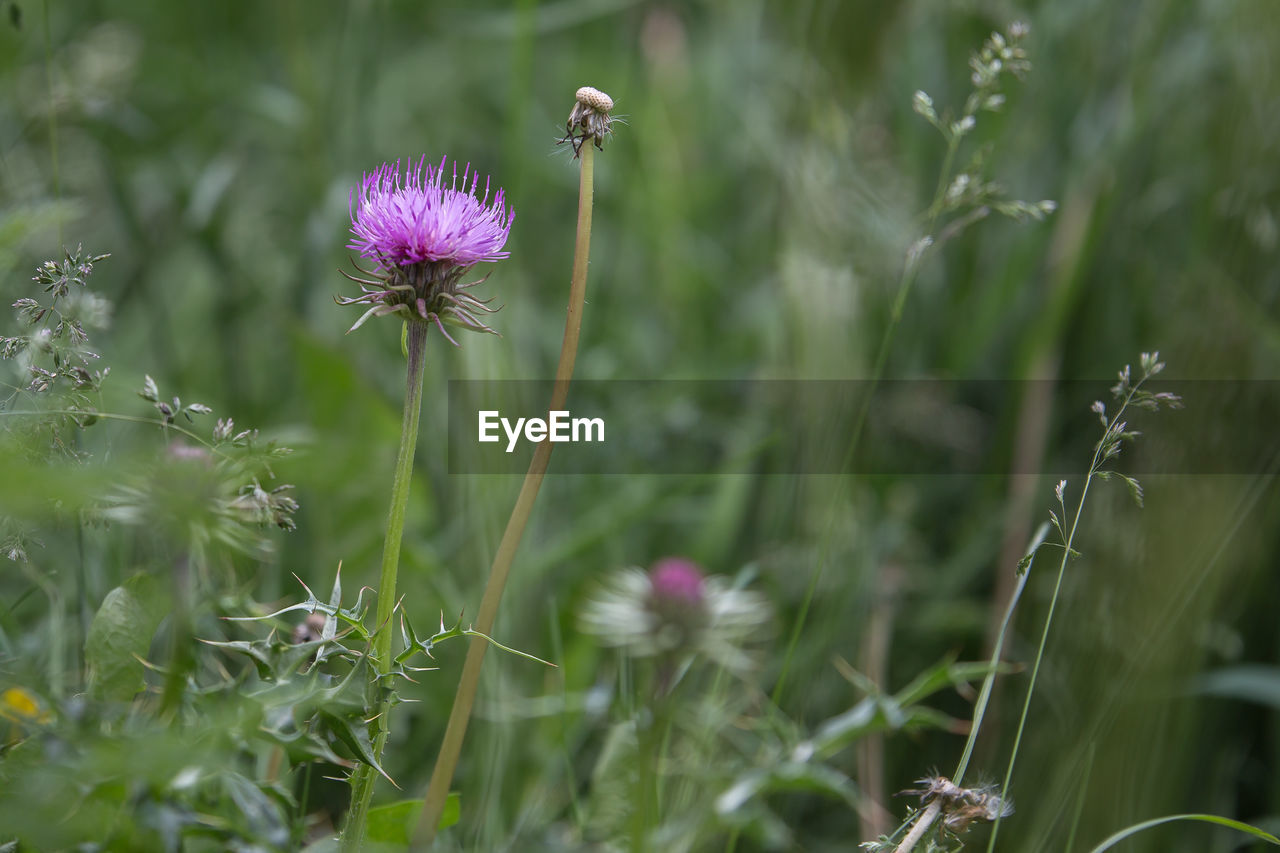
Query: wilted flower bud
589,119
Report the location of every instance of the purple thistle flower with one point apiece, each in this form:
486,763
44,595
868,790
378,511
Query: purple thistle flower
676,581
406,219
422,233
675,609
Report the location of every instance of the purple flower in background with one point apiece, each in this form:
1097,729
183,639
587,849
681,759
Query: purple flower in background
422,232
674,609
675,581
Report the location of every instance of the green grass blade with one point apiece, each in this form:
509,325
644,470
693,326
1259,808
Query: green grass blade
1206,818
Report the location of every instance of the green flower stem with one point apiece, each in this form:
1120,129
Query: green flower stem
464,699
365,776
652,739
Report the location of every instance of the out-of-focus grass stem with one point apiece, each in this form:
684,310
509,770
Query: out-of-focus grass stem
53,114
905,282
1094,466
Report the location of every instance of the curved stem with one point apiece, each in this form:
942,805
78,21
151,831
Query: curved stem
365,776
81,413
464,699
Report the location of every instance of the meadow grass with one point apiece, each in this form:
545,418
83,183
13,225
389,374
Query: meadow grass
751,221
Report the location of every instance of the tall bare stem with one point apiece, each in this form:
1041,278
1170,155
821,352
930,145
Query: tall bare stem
464,699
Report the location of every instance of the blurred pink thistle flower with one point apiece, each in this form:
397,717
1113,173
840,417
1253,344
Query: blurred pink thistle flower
673,609
675,580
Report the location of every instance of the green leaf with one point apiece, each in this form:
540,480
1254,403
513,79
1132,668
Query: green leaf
259,811
491,641
352,617
355,734
898,712
788,776
945,674
1249,683
119,635
452,811
980,708
414,644
394,822
1206,818
259,653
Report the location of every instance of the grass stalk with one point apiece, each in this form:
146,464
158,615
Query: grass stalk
1094,467
984,696
464,699
53,113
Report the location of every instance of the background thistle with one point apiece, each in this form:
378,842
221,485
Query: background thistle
674,611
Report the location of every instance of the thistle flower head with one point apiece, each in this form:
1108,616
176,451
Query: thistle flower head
673,609
403,219
422,231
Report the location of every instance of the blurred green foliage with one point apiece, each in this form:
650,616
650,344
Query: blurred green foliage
752,217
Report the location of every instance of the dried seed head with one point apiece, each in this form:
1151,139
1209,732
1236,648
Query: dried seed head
589,119
594,98
961,806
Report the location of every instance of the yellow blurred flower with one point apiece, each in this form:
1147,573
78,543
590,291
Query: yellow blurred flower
23,711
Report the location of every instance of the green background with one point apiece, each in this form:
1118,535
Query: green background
752,215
